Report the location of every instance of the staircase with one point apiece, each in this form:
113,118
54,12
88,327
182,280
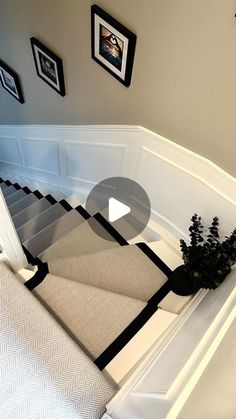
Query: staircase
101,289
96,302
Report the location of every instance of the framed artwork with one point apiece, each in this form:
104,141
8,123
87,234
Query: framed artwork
11,82
113,45
49,66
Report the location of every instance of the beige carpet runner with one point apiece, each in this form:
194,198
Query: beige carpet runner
44,374
81,240
124,270
99,288
96,296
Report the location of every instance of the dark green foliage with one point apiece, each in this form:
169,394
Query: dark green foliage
207,260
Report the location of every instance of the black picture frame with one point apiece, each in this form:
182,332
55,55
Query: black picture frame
112,45
10,81
49,66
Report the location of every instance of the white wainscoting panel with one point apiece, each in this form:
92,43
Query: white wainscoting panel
169,188
92,162
74,158
9,151
41,155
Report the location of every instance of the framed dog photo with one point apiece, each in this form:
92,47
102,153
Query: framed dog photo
113,45
10,81
49,66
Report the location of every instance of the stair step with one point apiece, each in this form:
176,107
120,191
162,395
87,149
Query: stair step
38,223
74,200
49,235
125,270
33,210
23,203
94,317
9,190
3,186
81,240
15,197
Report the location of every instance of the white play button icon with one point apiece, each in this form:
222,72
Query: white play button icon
119,205
116,210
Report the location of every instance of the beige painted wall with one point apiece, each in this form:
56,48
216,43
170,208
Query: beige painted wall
184,79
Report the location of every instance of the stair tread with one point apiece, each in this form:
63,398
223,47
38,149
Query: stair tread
49,235
31,211
23,203
3,186
9,190
130,273
38,223
81,240
94,317
15,197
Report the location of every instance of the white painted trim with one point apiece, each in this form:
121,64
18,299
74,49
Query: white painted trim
160,345
183,397
160,389
203,169
9,241
202,162
36,139
193,169
190,173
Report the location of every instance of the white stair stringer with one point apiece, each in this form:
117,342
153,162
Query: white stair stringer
9,241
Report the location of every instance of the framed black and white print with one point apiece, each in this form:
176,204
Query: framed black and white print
10,81
113,45
49,66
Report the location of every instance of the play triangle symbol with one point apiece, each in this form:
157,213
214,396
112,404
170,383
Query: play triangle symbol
117,209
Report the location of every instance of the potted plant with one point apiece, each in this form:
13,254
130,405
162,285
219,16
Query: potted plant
207,260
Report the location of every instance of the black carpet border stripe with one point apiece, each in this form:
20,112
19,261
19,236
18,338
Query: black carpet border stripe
38,194
160,294
8,183
154,258
26,190
38,277
51,199
30,258
65,205
17,186
110,229
82,211
128,333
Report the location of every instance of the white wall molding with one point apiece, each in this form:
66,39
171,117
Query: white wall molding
165,378
198,166
9,241
74,158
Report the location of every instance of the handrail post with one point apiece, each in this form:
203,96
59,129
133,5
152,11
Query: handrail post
9,240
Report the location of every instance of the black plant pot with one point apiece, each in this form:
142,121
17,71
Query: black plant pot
180,284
